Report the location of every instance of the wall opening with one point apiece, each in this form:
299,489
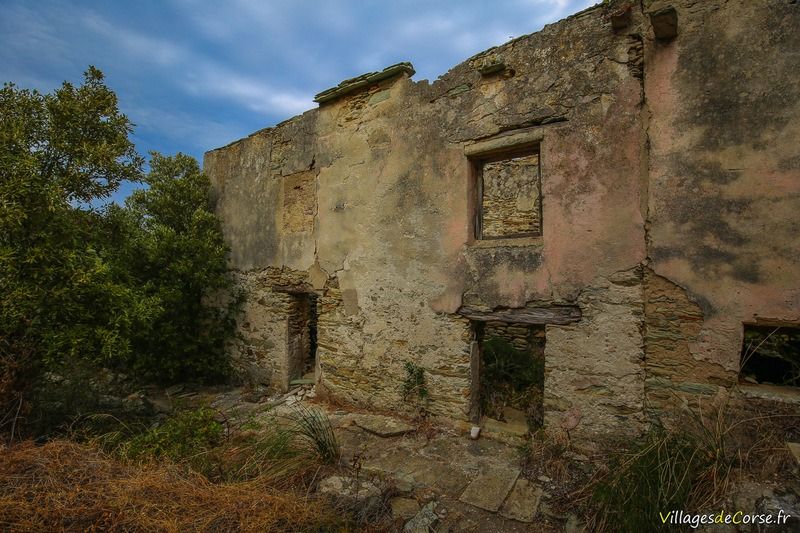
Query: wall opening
771,355
510,374
302,339
509,200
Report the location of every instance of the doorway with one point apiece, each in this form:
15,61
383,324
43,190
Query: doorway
508,374
302,338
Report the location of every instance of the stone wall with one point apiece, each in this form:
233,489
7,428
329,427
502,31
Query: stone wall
523,337
665,200
263,350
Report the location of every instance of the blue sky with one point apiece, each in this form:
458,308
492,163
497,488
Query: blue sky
195,75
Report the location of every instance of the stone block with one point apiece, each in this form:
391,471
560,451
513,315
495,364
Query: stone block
489,490
523,502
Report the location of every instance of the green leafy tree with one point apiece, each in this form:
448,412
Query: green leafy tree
121,287
59,302
58,152
171,247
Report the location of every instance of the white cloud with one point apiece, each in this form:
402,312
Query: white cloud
182,127
199,75
160,51
207,78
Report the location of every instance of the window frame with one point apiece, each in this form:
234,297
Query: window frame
477,162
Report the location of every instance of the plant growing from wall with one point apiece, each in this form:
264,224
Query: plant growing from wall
414,388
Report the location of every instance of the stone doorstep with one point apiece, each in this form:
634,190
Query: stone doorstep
382,426
516,423
489,490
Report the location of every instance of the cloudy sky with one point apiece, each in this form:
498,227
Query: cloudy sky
196,74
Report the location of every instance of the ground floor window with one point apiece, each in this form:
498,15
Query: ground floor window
771,355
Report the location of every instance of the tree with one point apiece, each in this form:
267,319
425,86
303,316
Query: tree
56,151
121,287
172,248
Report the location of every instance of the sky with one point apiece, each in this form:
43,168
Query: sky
194,75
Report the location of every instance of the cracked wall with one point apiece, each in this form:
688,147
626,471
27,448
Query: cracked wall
724,184
370,201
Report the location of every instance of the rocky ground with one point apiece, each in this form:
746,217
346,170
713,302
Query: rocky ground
423,476
427,478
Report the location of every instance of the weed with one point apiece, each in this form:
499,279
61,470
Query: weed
544,453
414,384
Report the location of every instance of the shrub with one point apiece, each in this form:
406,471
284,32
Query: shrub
414,382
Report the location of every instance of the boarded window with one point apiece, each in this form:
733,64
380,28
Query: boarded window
510,198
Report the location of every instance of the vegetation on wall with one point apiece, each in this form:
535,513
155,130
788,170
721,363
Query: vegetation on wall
82,283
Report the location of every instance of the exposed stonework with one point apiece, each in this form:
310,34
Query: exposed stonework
510,197
662,213
520,336
673,323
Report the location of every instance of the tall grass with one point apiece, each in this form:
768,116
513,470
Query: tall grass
286,444
65,486
659,475
692,463
313,433
279,447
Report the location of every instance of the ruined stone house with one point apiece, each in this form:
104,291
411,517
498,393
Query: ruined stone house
625,183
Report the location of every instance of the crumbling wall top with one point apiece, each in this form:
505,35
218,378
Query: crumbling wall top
353,84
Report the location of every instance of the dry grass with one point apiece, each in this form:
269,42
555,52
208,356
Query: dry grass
545,454
63,486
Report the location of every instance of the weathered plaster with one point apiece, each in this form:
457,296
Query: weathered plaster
669,188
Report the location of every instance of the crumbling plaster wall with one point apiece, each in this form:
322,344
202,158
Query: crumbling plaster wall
369,200
724,188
